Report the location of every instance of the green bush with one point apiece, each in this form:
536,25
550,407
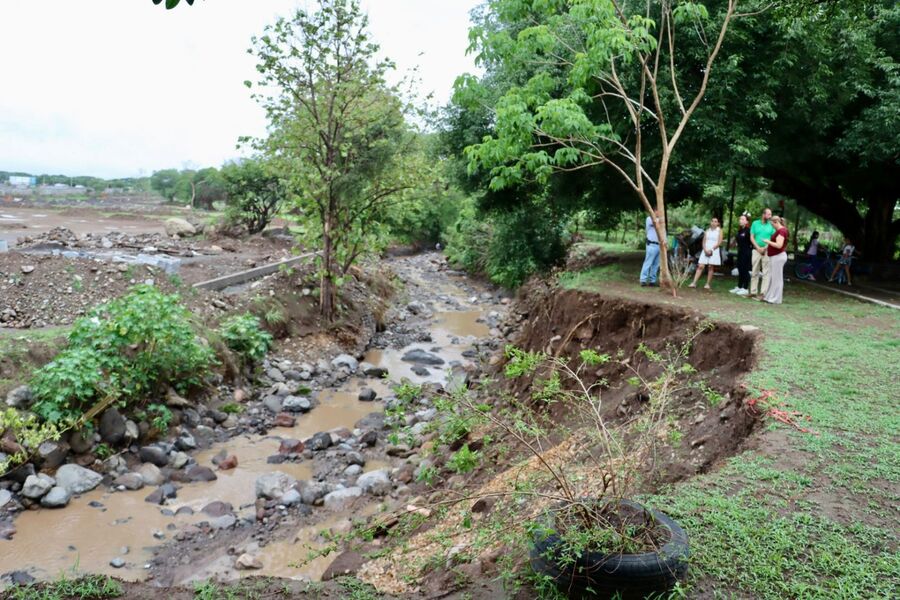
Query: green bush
510,246
244,335
128,350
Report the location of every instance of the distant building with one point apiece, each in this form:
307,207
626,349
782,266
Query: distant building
22,180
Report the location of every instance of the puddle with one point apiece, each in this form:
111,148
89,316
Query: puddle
88,538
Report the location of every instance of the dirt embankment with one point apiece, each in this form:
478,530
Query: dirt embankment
710,411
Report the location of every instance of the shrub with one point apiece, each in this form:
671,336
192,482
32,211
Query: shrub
128,350
244,335
255,194
28,432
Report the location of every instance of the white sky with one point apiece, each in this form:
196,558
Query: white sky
117,88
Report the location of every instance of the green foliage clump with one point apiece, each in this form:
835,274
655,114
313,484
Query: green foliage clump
508,246
125,350
244,335
29,434
255,194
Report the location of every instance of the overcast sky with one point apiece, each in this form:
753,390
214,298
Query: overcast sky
117,88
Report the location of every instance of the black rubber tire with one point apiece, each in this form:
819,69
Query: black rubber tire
631,576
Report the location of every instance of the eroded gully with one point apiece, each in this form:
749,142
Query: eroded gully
106,524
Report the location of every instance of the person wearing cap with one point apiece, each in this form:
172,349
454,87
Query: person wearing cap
650,269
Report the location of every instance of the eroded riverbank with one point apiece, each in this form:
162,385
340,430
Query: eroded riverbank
218,528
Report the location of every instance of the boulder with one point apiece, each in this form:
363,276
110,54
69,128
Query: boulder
77,480
154,455
291,497
273,403
247,562
179,460
312,491
355,458
151,474
129,481
367,395
373,371
377,483
368,438
162,493
353,471
218,509
112,427
290,446
57,497
228,463
37,486
51,454
196,473
345,361
5,497
80,441
185,442
422,357
319,441
347,563
284,420
176,227
21,397
296,404
273,485
223,522
342,498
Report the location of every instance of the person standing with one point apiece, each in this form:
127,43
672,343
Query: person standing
710,257
651,254
777,251
760,232
844,261
745,256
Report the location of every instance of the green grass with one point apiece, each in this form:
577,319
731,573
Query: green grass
92,587
817,518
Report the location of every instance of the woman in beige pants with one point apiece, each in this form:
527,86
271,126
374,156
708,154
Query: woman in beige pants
777,251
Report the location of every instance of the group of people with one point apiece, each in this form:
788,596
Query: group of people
762,254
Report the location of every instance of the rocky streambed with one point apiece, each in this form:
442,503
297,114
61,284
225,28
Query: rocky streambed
232,493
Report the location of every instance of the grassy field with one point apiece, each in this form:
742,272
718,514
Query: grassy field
802,514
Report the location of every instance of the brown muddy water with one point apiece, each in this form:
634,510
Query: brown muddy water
85,538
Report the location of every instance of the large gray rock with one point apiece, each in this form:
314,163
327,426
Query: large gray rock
367,395
273,404
154,455
312,491
81,441
51,454
273,485
20,398
320,441
5,497
342,498
57,497
130,481
162,493
422,357
151,474
112,427
346,361
176,227
77,480
377,483
296,404
37,486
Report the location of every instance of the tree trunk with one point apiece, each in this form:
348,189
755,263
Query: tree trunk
326,278
880,231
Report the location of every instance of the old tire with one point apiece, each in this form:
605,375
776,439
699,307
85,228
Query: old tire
631,576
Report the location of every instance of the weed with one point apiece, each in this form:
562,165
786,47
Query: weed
91,587
243,334
232,408
464,460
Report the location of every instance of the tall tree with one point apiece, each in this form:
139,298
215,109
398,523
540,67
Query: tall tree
609,91
337,129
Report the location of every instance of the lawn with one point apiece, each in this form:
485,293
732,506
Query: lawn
798,514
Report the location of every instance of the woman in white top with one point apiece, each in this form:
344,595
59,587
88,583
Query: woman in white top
710,257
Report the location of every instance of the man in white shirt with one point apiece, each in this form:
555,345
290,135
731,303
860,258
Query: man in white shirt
651,256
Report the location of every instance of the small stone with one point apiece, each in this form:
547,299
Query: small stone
273,485
377,483
342,499
368,438
223,522
367,395
422,357
218,509
273,403
179,460
77,480
291,497
151,474
154,455
21,397
346,361
161,494
130,481
37,486
290,446
319,441
228,463
27,269
117,563
353,471
284,420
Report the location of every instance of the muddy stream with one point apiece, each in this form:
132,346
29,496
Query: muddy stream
103,524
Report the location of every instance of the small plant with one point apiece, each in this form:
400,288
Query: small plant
90,587
103,451
160,417
427,475
28,433
714,398
464,460
232,408
243,334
